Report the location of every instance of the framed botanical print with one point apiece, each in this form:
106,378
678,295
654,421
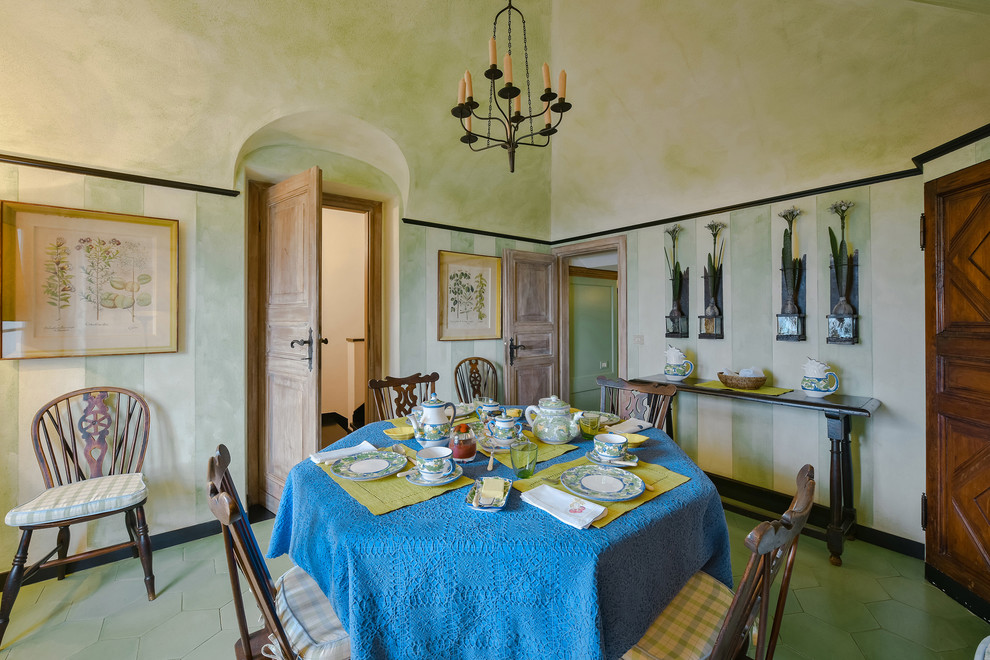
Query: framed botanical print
76,282
469,304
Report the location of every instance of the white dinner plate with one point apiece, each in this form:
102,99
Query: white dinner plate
369,465
602,483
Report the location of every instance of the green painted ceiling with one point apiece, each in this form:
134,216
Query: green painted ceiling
678,106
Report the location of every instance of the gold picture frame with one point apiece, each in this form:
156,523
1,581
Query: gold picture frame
78,283
469,298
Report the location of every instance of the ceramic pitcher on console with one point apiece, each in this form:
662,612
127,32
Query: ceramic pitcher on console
553,422
434,423
678,367
816,382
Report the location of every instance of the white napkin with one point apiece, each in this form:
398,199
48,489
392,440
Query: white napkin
328,457
565,507
631,425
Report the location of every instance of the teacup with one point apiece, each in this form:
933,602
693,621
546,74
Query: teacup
611,446
505,430
434,463
488,408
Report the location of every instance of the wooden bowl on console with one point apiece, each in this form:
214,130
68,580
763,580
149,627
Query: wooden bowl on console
742,382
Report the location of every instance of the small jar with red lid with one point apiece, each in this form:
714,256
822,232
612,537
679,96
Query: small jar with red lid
463,444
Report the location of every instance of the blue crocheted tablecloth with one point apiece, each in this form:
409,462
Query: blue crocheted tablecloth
440,580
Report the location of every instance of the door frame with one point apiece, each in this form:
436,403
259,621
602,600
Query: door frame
257,261
563,254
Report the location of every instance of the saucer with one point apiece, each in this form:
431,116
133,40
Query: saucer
488,443
594,458
415,478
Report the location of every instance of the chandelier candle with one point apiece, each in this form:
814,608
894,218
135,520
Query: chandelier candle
515,119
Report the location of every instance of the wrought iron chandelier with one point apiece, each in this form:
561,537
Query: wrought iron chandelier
509,121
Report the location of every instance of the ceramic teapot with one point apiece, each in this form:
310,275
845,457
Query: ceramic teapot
433,425
815,383
505,430
678,367
553,422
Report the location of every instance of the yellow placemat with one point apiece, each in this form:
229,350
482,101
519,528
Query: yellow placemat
403,422
390,493
766,389
657,476
544,451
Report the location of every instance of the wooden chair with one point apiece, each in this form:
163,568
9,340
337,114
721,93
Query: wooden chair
646,401
395,397
299,620
705,620
90,446
475,377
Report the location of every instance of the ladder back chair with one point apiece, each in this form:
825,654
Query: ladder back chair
475,377
90,445
706,620
299,620
646,401
395,397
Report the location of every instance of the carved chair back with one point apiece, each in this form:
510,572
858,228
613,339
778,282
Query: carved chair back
475,377
92,432
646,401
395,397
774,546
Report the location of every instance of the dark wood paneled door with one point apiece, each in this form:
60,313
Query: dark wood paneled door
957,333
529,325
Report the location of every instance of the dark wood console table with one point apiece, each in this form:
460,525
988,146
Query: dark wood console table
837,409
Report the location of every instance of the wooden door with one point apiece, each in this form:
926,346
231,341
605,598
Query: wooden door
291,221
957,333
529,325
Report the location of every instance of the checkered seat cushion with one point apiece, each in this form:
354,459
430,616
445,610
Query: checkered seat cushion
689,625
308,618
81,498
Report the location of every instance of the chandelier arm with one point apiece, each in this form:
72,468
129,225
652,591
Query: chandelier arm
519,140
484,136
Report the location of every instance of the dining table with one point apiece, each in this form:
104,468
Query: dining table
442,579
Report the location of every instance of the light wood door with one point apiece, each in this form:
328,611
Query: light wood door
291,229
529,325
957,333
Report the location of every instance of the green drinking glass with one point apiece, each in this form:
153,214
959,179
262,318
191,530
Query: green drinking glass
523,456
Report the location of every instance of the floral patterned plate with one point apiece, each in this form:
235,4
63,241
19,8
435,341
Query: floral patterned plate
369,465
602,483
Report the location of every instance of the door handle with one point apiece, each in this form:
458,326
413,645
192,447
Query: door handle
309,344
513,347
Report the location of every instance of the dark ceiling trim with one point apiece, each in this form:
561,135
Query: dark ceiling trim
679,218
919,161
952,145
119,176
478,232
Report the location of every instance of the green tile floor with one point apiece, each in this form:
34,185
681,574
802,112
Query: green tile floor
876,605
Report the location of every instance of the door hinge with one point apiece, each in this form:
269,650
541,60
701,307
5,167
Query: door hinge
922,232
924,511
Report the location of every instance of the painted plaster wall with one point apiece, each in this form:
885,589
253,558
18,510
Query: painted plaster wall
419,348
765,445
705,104
196,395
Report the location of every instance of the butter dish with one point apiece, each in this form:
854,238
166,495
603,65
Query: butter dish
488,493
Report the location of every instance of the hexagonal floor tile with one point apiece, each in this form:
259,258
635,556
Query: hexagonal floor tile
137,621
847,615
817,639
57,641
883,645
179,635
117,649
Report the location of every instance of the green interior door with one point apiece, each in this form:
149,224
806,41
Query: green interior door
594,331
